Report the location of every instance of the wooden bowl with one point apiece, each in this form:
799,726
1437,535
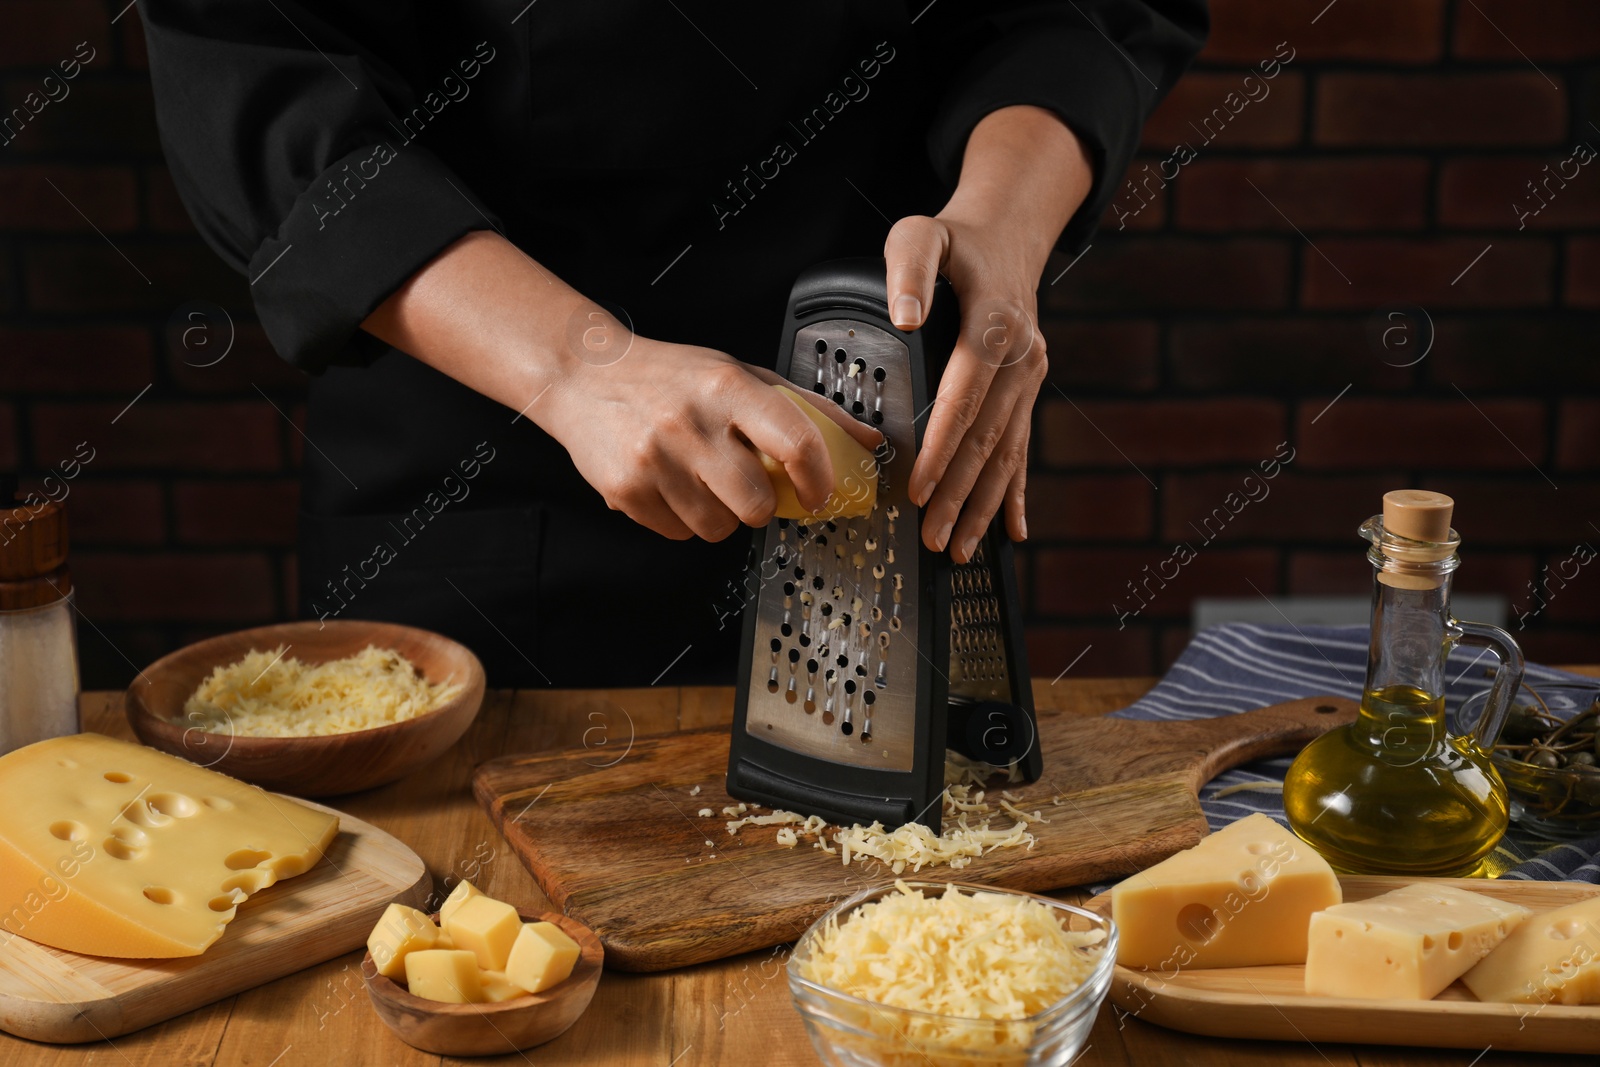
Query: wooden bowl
491,1029
309,766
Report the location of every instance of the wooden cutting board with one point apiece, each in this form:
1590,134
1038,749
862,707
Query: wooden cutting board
47,994
618,843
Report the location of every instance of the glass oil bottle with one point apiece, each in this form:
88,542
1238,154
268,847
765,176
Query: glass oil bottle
1394,792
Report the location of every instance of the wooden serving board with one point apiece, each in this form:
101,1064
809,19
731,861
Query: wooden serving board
47,994
618,843
1270,1003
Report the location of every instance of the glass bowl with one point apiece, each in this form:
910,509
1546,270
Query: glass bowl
849,1031
1562,804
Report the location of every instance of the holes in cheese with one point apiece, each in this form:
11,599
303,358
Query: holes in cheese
855,472
118,859
1551,958
1407,944
1240,898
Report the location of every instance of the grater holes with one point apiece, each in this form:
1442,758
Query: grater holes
822,347
839,355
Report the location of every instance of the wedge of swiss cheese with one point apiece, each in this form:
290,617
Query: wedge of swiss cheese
1240,898
1552,958
112,849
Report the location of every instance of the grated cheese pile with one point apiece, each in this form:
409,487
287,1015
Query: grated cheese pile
973,956
274,695
968,826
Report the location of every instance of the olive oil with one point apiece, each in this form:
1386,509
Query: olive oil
1394,793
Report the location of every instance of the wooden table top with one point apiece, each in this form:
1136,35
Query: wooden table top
733,1013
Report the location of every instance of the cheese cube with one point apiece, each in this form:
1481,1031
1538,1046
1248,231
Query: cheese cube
485,927
497,987
1554,957
463,891
1407,944
448,975
542,956
1240,898
401,931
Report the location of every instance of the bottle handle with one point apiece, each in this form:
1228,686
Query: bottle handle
1507,680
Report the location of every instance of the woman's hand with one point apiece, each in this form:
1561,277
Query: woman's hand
1022,177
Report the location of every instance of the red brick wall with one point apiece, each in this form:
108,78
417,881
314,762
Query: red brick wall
1223,317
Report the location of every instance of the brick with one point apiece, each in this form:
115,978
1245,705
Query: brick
1356,272
164,210
1089,507
1550,29
1140,203
1277,355
194,364
1111,653
1512,353
1412,110
79,360
42,33
110,656
1170,645
1358,432
1348,573
1578,435
1196,508
9,451
1560,647
1522,511
175,587
1312,194
1274,121
153,433
1120,356
297,436
1564,588
99,118
1369,31
289,587
1095,582
1494,193
8,286
1175,273
83,277
1153,433
1583,273
103,512
105,196
236,512
135,52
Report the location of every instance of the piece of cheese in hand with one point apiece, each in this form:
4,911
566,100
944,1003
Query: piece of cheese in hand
1240,898
542,956
112,849
463,891
485,927
399,933
1407,944
855,472
444,974
1552,958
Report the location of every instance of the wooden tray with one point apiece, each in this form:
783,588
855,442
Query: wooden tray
618,843
47,994
1269,1003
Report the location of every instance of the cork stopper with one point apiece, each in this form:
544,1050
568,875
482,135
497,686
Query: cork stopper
1418,514
33,551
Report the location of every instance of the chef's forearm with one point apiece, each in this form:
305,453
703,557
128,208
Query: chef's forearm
1023,175
484,313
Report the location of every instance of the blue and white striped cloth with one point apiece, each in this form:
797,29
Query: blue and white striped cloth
1238,666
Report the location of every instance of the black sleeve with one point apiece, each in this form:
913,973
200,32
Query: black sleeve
1101,65
292,160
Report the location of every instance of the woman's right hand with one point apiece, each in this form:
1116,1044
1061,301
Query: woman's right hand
669,435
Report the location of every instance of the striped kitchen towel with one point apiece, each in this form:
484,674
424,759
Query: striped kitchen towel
1238,666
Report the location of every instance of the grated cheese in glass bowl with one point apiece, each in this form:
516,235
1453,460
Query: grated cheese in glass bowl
935,974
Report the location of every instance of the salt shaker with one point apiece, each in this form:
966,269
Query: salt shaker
38,641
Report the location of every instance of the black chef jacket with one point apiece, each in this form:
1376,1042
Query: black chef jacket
677,160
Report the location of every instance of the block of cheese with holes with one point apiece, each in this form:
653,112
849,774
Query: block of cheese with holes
1406,944
1552,958
112,849
1240,898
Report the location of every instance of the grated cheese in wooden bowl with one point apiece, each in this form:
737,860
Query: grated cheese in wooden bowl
269,694
967,968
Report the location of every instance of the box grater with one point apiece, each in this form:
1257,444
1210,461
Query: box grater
865,654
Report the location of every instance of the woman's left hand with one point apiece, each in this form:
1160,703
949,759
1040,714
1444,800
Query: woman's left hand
1023,175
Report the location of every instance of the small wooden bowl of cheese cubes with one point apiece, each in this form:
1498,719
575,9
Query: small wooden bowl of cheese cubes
479,978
